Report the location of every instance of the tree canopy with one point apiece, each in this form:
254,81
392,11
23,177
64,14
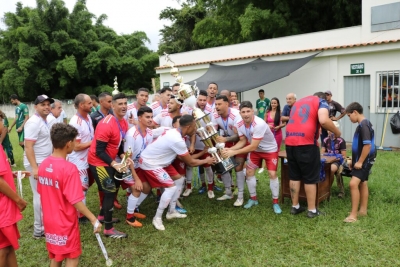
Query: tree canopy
49,50
210,23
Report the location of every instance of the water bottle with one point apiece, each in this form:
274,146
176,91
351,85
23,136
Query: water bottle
322,176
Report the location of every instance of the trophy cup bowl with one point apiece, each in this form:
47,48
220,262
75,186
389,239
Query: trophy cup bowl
174,72
188,94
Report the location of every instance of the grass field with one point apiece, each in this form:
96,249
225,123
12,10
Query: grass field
218,234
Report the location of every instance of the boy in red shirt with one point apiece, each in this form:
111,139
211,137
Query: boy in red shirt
58,180
11,206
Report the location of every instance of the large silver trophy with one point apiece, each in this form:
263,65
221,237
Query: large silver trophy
205,129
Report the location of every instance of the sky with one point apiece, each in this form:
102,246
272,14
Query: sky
124,16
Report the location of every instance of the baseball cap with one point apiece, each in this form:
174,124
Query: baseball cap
42,98
328,92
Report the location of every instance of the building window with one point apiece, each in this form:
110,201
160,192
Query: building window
388,89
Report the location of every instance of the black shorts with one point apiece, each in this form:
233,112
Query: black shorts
362,173
104,177
304,163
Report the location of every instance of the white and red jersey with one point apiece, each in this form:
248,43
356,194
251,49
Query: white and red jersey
258,130
85,134
163,119
131,112
210,108
58,185
163,151
137,142
226,125
157,108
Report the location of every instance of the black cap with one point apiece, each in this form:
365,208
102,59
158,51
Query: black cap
42,98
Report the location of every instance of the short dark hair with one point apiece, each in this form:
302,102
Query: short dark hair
143,90
203,93
246,104
104,94
354,106
186,120
261,91
144,109
176,84
93,97
321,95
164,89
175,119
79,98
223,97
61,134
180,102
213,83
119,96
14,97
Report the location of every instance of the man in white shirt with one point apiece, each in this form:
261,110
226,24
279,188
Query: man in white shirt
55,113
38,147
212,92
142,97
155,161
158,106
83,123
63,117
261,145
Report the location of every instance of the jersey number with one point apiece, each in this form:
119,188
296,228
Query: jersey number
303,112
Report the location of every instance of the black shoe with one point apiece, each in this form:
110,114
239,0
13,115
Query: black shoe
295,211
311,214
83,220
39,236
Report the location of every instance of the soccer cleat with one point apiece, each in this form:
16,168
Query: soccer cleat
135,223
250,203
113,233
202,190
175,215
210,194
225,197
180,210
158,224
117,205
101,219
238,202
139,215
277,209
295,211
187,192
217,188
311,214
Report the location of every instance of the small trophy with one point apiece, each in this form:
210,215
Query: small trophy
123,175
116,91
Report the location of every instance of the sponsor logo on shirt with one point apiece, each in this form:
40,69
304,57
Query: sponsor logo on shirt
56,239
50,168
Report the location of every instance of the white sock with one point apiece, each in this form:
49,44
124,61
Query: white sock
178,184
251,185
164,201
274,185
227,179
142,197
240,177
189,174
132,200
313,211
296,206
210,175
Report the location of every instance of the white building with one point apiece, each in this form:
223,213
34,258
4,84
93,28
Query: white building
374,48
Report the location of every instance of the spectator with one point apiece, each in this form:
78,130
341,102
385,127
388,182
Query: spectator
290,100
334,107
21,117
261,104
273,119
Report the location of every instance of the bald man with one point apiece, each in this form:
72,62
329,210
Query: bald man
290,100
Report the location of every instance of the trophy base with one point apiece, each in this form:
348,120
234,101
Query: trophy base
127,176
225,165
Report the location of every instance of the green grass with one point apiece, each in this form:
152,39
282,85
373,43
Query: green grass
218,234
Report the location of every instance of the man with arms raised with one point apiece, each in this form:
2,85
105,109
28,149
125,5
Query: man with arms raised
304,157
105,108
79,156
37,148
142,97
257,139
165,95
21,117
156,160
290,100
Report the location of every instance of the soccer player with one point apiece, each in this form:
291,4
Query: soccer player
21,117
175,88
156,160
105,108
55,112
82,122
37,148
158,106
11,205
142,97
109,138
234,100
212,92
5,140
257,139
57,183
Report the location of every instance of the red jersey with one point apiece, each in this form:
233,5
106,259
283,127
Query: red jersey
59,186
9,211
111,131
303,125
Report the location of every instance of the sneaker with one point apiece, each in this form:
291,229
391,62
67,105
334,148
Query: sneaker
238,202
117,205
101,219
217,188
113,233
83,220
277,209
134,223
210,194
187,192
38,236
158,224
175,215
202,190
225,197
180,210
295,211
311,214
139,215
250,203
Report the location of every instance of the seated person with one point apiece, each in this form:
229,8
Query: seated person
334,145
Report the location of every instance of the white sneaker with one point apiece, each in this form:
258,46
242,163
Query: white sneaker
174,215
211,194
187,192
238,202
225,197
158,224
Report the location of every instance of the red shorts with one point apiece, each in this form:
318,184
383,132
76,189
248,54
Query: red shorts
61,257
255,160
205,155
9,236
231,144
129,181
179,166
160,177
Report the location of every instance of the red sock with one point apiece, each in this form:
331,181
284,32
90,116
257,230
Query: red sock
254,198
211,187
128,216
188,185
275,201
